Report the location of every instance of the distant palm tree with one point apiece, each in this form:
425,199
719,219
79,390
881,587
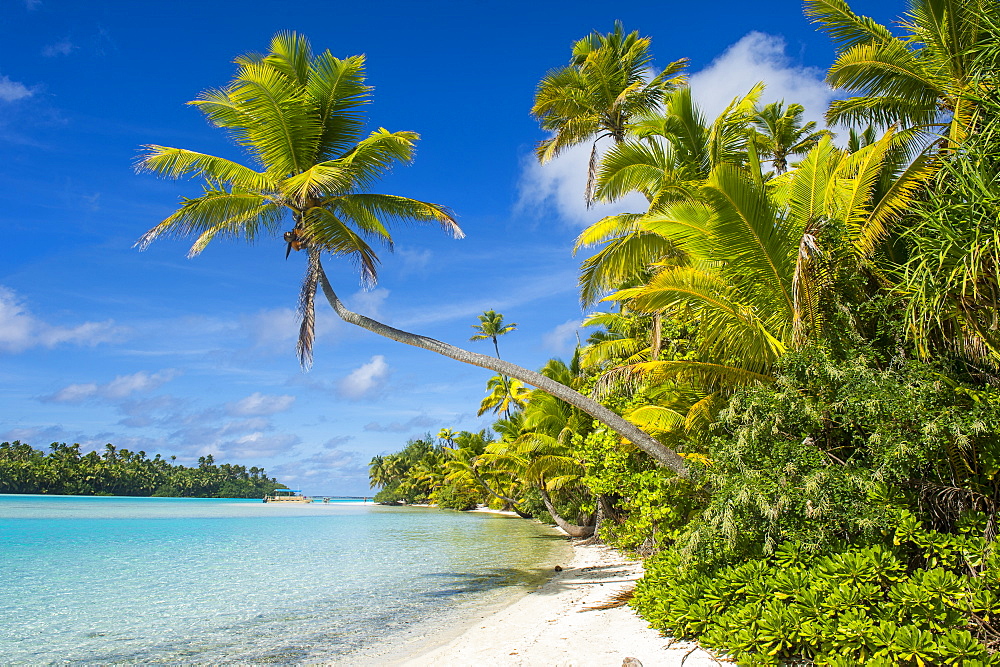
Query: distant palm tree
606,85
782,134
491,325
298,116
503,395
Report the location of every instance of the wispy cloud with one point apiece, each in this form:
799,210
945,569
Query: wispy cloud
414,260
513,292
12,91
121,387
561,339
760,57
368,302
260,404
61,48
366,380
418,422
20,330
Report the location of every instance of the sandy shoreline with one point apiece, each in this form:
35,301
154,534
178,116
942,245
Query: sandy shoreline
551,627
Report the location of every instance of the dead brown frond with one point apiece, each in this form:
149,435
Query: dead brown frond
619,599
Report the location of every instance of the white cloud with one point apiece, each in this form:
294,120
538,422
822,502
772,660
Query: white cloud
368,302
760,57
366,379
257,404
258,445
278,329
63,48
12,91
560,184
414,261
121,387
418,422
20,330
562,339
124,385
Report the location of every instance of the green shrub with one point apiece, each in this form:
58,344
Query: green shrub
912,603
457,498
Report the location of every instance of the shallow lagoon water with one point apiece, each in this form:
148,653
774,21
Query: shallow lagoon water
141,580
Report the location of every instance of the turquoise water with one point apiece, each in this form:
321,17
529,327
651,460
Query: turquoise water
168,580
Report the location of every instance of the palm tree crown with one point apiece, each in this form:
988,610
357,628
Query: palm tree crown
782,134
605,86
298,115
490,326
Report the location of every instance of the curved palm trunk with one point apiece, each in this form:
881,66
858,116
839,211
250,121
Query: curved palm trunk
662,454
571,529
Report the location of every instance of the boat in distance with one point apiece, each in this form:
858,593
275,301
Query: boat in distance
287,496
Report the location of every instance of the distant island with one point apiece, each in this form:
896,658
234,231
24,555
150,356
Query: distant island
65,470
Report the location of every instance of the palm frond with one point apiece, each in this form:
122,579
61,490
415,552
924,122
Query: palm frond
219,213
307,312
178,162
845,27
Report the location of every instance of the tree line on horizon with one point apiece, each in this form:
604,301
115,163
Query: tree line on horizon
790,403
65,470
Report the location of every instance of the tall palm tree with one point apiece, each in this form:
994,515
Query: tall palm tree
924,78
491,325
298,116
606,85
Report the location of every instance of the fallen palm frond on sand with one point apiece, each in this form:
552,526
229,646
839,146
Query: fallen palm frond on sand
619,599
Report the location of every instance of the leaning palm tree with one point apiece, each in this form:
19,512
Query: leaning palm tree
298,116
605,86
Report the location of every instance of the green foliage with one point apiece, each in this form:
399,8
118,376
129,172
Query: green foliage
818,456
651,504
454,498
120,472
909,602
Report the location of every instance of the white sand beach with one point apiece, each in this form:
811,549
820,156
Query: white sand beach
552,626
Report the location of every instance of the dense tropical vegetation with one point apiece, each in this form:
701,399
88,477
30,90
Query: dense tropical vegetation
808,316
65,470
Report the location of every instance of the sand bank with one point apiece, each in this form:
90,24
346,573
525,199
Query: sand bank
552,627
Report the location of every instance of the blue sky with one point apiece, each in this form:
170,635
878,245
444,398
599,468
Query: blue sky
101,343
